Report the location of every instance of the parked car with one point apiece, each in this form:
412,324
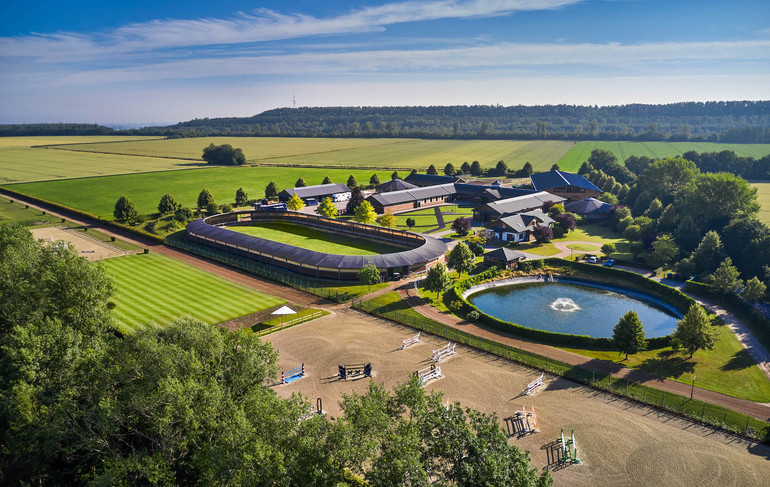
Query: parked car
609,263
592,259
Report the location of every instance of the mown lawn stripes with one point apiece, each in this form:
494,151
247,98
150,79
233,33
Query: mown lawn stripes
155,288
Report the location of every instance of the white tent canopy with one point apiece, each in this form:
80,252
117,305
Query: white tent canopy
283,310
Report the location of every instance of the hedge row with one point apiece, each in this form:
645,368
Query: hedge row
83,214
616,276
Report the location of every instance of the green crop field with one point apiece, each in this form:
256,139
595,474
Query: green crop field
151,288
764,199
313,239
98,195
581,151
380,153
8,142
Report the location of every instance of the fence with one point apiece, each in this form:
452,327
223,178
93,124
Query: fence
700,411
288,324
241,263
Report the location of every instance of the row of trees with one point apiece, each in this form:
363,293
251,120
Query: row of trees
744,122
125,211
189,404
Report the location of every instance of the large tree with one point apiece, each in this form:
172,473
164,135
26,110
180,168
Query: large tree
461,258
694,332
205,198
628,334
374,180
432,170
715,199
725,279
368,275
449,169
167,204
437,280
327,208
754,290
124,211
708,254
352,182
387,219
356,198
664,248
271,191
667,177
223,154
365,213
295,203
241,197
462,226
301,183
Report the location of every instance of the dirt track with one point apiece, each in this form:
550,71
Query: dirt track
620,443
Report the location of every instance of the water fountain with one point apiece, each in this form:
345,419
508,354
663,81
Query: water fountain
564,304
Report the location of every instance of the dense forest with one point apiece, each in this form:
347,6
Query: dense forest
733,121
36,129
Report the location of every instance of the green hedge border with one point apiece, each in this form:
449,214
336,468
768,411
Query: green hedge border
617,277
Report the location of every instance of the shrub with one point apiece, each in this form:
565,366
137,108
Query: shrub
455,306
473,315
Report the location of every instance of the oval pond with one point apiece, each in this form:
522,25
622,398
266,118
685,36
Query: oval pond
567,307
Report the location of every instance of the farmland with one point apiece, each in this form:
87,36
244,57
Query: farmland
154,288
313,239
21,162
98,195
763,188
582,150
380,153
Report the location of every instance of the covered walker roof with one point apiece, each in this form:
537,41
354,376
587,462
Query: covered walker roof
430,249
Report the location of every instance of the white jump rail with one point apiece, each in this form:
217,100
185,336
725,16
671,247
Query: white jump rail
445,351
534,385
411,341
428,374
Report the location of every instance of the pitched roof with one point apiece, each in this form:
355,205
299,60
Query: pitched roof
521,222
317,190
588,205
393,185
504,254
408,195
430,180
518,204
556,179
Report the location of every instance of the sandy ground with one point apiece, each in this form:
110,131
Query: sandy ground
620,443
90,248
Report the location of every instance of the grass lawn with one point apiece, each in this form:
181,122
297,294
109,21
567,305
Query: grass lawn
314,239
357,152
151,288
581,151
728,368
582,247
763,195
425,218
98,195
33,218
20,162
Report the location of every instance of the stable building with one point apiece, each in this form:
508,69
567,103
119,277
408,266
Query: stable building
393,185
518,227
590,208
311,195
412,198
503,258
518,204
422,180
568,185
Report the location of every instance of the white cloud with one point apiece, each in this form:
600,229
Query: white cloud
651,56
262,25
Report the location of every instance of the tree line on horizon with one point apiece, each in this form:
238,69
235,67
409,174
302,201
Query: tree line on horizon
725,121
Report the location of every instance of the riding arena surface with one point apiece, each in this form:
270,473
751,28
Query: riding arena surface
87,247
621,442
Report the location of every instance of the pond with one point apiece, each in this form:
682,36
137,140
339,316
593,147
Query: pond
574,308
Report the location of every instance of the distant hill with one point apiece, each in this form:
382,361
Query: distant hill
733,121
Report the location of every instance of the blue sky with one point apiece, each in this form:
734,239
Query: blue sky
136,62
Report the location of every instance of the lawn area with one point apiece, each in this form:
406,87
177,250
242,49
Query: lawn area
355,152
98,195
20,162
151,288
425,218
33,218
728,368
582,247
591,232
581,151
763,195
314,239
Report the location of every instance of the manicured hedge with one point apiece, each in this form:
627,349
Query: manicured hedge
599,273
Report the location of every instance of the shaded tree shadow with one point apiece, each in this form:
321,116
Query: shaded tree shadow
667,365
740,360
